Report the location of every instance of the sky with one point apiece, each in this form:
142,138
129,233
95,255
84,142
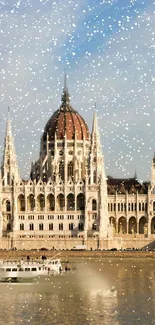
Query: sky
108,50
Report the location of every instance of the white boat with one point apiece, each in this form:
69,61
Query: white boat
14,270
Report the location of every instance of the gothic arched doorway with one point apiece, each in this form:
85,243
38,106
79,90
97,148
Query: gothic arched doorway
122,225
153,225
132,225
142,225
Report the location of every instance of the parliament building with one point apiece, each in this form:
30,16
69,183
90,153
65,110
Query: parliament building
68,199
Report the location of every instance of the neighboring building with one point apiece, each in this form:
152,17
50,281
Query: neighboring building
67,195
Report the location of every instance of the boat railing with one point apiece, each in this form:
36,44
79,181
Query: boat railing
13,262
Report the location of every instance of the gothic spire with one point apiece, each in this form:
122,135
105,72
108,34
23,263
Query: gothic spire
95,124
8,126
95,130
10,169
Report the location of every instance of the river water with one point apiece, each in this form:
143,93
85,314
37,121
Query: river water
97,292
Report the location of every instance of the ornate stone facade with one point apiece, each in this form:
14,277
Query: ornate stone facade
68,195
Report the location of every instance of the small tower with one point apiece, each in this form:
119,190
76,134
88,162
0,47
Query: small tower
153,171
96,158
9,170
98,177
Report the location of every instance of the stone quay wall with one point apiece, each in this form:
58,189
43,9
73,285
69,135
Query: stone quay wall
68,243
77,255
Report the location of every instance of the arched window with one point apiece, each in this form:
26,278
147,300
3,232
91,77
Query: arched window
21,226
60,202
70,202
94,177
31,202
139,206
71,226
132,228
154,206
8,227
94,226
61,169
122,225
61,226
54,177
40,202
51,226
21,203
80,201
41,226
94,205
142,225
8,206
50,202
70,169
81,227
31,226
143,206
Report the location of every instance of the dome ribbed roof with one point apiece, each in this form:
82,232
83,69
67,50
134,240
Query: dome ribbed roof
66,121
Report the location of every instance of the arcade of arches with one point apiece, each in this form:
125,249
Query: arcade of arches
51,203
131,226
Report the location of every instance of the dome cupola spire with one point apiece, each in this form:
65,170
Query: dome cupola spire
65,105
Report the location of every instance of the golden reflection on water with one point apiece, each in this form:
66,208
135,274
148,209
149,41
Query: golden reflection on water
99,293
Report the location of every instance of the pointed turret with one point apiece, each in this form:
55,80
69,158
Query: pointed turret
98,177
10,171
95,125
97,163
8,126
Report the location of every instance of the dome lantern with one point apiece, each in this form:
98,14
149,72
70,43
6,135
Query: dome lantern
65,96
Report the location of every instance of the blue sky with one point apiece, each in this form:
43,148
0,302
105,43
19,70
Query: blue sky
108,50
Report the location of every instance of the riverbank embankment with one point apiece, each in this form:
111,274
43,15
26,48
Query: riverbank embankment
71,255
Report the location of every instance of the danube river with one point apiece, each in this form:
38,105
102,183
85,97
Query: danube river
97,292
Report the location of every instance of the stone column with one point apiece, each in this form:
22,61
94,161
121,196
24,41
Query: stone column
127,221
86,214
116,226
45,205
127,225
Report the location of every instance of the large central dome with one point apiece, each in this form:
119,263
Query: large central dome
66,122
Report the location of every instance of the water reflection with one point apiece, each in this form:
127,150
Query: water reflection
86,296
100,293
